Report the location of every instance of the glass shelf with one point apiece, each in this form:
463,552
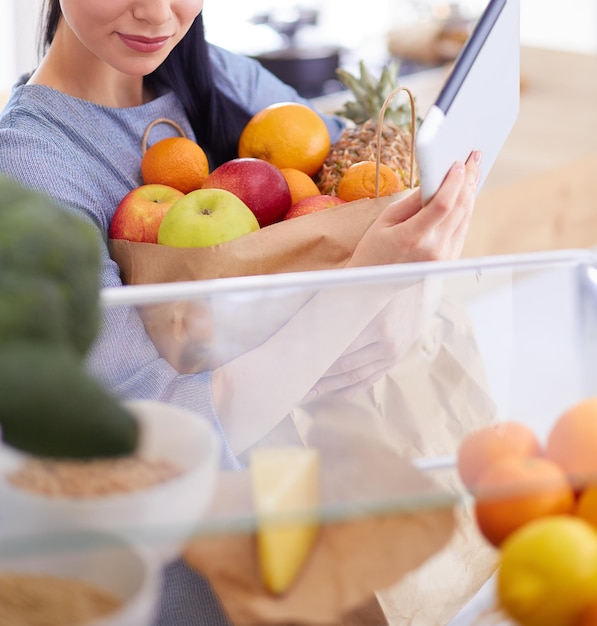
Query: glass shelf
471,342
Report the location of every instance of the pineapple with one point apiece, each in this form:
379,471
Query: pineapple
358,141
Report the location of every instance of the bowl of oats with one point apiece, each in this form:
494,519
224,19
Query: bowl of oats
157,495
79,577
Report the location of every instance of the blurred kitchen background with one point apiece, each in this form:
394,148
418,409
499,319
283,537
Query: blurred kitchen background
304,41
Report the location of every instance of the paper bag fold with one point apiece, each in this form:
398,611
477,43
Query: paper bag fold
319,241
323,240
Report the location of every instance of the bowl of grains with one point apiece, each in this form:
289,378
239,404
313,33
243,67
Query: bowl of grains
82,578
157,496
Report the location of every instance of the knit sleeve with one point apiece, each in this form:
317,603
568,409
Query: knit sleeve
123,357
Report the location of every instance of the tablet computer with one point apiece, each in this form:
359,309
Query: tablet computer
479,102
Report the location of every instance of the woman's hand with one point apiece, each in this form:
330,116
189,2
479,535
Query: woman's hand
384,341
406,231
372,328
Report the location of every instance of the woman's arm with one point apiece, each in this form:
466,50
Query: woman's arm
256,390
408,232
251,393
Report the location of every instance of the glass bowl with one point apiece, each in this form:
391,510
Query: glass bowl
81,565
161,516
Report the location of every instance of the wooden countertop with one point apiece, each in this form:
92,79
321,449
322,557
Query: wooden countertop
557,123
542,191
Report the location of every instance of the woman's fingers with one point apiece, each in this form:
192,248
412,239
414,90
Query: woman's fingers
350,381
356,359
457,191
463,213
403,209
443,222
356,366
407,232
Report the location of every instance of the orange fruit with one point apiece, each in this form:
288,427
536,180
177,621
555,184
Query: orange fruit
359,181
287,134
301,185
572,442
586,505
588,616
177,162
514,491
482,447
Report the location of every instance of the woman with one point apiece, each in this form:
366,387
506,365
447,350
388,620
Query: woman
73,129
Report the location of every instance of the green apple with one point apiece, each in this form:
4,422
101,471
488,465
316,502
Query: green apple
139,214
206,217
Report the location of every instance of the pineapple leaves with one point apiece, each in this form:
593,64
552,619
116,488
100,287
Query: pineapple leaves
369,94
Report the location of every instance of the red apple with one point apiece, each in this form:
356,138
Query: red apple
313,204
140,212
259,184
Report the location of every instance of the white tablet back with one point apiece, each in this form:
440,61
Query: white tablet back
479,102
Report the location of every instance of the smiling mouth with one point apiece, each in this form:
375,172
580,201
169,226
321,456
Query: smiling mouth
139,43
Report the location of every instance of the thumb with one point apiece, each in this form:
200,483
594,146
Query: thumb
403,208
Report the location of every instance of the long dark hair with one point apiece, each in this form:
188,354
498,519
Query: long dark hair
216,120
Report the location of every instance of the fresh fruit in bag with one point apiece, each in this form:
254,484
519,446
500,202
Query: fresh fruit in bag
358,141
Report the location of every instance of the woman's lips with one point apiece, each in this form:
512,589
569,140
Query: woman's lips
143,44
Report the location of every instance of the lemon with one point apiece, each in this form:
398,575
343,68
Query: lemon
548,571
286,492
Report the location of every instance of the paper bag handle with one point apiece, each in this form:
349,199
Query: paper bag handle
380,118
160,120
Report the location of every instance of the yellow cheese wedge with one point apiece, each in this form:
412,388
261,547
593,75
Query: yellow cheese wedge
286,493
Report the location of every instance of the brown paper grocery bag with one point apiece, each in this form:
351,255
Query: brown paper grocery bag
423,408
323,240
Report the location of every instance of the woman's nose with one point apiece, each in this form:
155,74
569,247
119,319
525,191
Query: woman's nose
153,11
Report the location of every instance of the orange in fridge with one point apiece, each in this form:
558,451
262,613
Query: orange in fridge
482,447
287,134
359,181
572,442
514,491
586,505
175,161
588,616
301,185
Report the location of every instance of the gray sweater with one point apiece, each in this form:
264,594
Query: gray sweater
88,157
